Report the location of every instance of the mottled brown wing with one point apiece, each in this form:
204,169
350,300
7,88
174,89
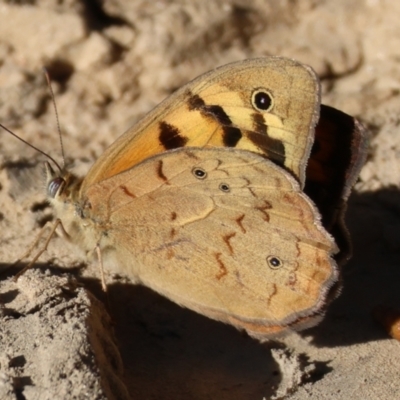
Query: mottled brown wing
221,231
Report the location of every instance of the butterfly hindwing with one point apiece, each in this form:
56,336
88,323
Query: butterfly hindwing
221,231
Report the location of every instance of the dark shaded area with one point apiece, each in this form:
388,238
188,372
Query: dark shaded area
96,18
372,276
19,385
60,71
18,361
165,347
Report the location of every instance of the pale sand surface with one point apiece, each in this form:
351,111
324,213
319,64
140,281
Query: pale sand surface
109,67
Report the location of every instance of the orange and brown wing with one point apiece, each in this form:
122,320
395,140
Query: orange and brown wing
267,105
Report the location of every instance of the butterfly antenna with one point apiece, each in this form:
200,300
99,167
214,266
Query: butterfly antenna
46,74
32,146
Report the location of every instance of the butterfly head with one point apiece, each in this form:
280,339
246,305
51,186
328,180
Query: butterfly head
61,184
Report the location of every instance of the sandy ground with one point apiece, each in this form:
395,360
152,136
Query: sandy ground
60,335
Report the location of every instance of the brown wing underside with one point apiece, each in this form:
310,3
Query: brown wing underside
223,232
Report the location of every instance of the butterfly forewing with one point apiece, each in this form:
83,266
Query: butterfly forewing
267,105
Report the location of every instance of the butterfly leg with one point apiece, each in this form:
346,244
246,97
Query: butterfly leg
100,260
42,249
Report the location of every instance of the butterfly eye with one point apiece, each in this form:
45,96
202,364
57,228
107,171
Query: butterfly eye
54,186
199,173
224,188
262,100
274,262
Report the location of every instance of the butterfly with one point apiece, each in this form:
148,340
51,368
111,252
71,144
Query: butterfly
225,197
